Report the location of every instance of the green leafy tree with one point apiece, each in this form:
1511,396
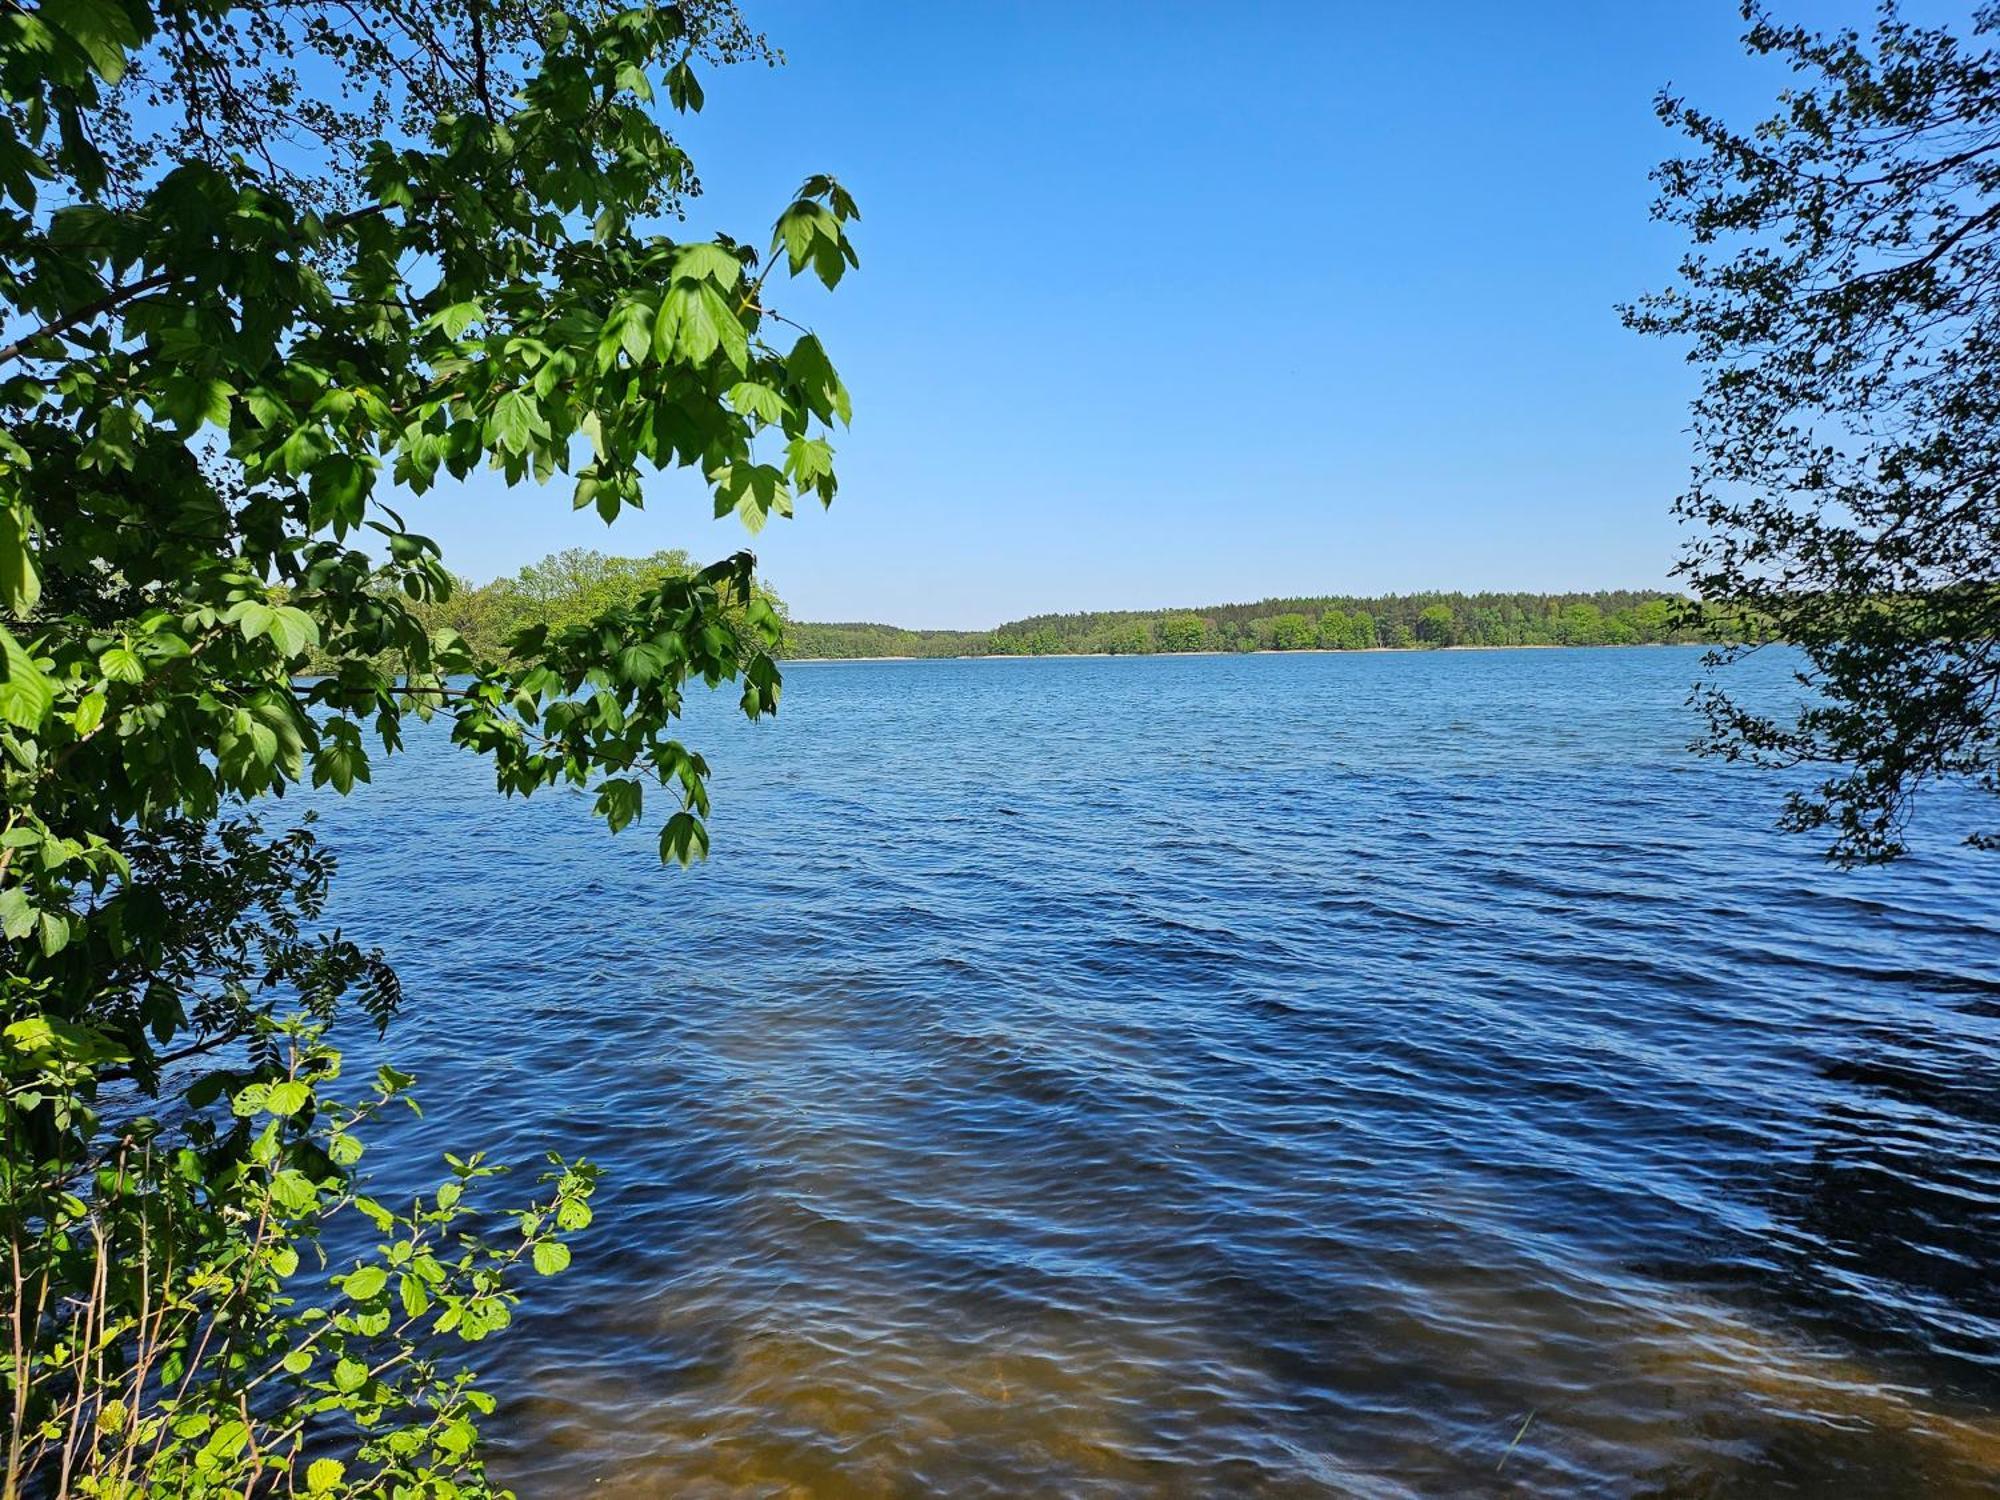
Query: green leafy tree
1581,624
1130,638
1839,300
1654,620
1294,632
239,317
1437,626
581,583
1182,633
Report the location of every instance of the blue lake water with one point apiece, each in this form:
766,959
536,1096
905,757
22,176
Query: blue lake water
1388,1074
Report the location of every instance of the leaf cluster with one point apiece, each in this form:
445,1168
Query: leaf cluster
175,1354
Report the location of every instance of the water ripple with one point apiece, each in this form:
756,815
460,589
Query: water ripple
1390,1075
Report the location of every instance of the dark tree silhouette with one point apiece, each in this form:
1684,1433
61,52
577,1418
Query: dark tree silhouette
1840,300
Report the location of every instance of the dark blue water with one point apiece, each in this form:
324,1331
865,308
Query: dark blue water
1393,1074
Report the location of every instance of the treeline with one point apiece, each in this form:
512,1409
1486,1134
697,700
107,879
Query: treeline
567,588
805,640
1610,617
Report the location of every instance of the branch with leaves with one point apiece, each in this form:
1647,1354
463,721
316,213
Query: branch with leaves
248,325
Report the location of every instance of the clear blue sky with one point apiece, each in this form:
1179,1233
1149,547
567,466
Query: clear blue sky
1191,303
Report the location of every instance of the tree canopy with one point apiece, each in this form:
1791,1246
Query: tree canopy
1838,298
272,273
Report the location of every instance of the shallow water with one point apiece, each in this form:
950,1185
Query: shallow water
1404,1074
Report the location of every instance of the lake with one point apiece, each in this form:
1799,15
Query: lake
1396,1074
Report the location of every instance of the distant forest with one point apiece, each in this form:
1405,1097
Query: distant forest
574,587
1611,617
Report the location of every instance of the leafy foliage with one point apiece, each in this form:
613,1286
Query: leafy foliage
572,587
1838,299
264,265
177,1356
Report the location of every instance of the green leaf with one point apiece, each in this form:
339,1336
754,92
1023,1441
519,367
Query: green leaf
641,664
365,1283
340,757
761,686
89,714
809,366
102,28
795,230
415,1298
349,1375
753,491
633,77
250,617
33,1035
629,329
692,315
551,1256
339,492
729,329
683,840
619,802
17,920
287,1097
26,694
760,401
704,260
122,664
20,580
189,400
293,1191
454,320
832,255
293,630
515,423
229,1439
323,1476
683,89
809,462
